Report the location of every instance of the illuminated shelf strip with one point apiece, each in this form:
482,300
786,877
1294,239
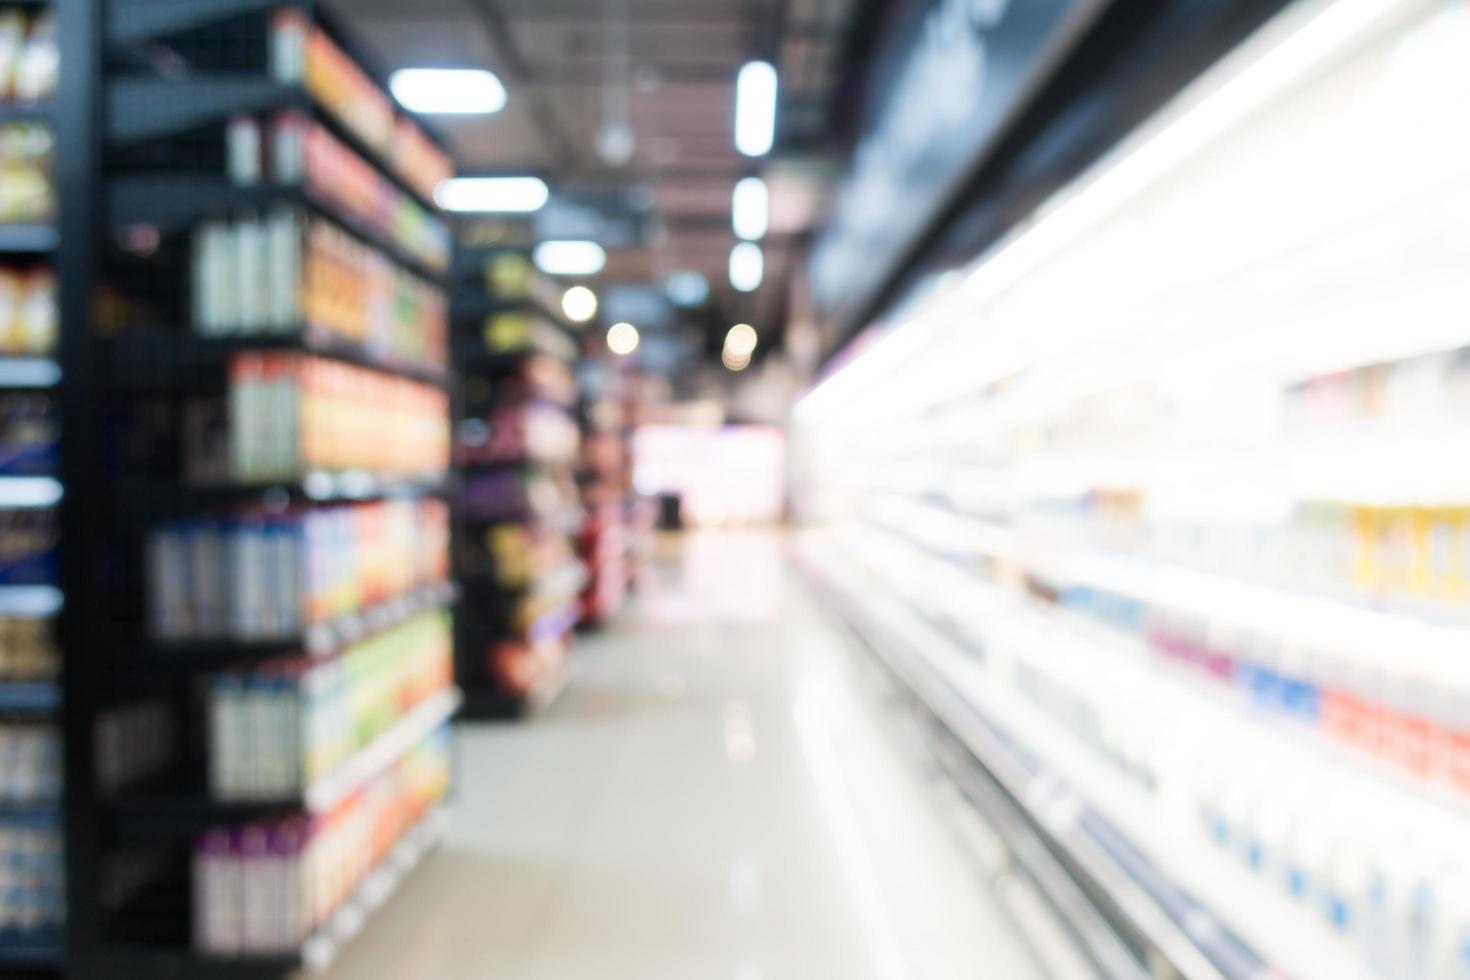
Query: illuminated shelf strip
29,491
30,600
408,732
28,372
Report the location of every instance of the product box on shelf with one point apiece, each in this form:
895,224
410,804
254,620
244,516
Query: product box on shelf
267,887
524,332
27,310
303,53
27,195
28,55
277,729
259,575
34,890
531,494
286,271
530,432
29,435
30,762
290,149
291,414
29,540
28,650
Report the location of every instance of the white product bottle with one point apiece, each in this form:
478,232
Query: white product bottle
283,274
250,270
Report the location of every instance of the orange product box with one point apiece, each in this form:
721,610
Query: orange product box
1459,760
337,172
1408,741
350,94
420,162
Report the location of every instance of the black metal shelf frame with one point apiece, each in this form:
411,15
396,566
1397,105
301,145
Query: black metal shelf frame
164,661
108,109
80,632
144,108
169,358
172,200
489,610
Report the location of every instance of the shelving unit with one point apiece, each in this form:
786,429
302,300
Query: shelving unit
607,542
1169,547
42,133
517,452
158,740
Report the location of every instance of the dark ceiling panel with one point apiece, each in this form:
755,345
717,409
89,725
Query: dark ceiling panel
675,82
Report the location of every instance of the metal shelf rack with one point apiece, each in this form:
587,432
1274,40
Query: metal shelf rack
504,619
147,156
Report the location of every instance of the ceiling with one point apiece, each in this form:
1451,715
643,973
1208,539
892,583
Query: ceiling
667,67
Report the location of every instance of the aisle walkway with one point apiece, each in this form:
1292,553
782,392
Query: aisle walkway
718,795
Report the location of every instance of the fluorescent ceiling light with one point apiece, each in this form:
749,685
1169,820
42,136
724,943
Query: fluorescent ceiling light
747,267
734,361
750,209
579,304
687,288
755,109
571,258
448,91
622,339
503,195
741,340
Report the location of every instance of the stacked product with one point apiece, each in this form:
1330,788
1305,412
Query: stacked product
29,539
28,650
30,435
291,414
607,537
277,729
28,69
268,886
28,56
288,272
261,575
27,310
33,878
518,448
26,192
304,53
30,762
1187,533
289,149
274,380
32,894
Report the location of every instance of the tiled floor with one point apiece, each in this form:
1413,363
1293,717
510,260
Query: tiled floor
718,795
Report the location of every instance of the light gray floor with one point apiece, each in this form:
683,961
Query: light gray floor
717,796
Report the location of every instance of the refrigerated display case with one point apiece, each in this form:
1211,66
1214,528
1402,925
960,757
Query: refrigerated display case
1157,506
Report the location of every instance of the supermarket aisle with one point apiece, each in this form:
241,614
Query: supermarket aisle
717,795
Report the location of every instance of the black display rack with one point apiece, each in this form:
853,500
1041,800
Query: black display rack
36,589
513,616
609,543
149,89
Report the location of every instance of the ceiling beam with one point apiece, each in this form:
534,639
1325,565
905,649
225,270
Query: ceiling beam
513,63
588,74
